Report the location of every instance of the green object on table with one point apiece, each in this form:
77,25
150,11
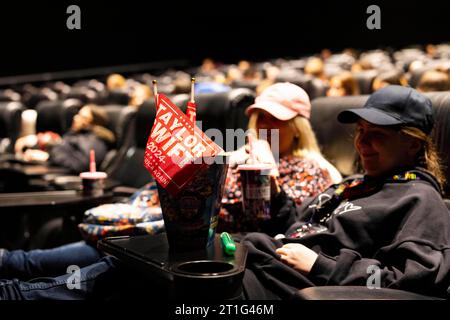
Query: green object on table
228,245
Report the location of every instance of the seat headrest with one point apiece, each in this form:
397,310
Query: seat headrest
121,120
50,117
11,121
225,110
335,139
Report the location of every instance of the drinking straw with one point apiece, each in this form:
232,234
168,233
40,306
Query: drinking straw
92,167
251,142
192,90
155,92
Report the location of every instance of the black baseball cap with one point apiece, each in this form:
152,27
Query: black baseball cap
394,105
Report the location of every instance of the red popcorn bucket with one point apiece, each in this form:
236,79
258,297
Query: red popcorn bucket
191,216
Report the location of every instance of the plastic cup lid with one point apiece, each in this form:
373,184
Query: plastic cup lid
93,175
256,166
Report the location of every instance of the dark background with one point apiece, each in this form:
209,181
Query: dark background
34,37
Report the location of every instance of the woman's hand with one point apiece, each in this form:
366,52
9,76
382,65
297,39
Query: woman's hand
35,155
25,142
298,256
274,186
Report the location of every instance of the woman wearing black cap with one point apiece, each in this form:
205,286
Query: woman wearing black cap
392,219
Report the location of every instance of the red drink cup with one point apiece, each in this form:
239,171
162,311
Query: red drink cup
255,179
93,183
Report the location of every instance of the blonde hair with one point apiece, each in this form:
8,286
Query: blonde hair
428,157
348,83
305,139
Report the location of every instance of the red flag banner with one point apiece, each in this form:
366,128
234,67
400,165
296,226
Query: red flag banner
173,145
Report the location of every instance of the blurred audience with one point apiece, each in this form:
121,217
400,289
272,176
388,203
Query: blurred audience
71,151
343,84
115,81
434,80
315,67
387,78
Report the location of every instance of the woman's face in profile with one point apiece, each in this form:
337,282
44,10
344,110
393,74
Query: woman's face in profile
82,119
286,132
383,149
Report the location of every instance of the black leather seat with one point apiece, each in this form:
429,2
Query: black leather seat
56,115
314,87
225,110
365,80
121,123
334,138
120,97
10,125
9,95
130,171
416,75
84,94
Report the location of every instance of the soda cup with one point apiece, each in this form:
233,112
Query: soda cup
255,180
93,183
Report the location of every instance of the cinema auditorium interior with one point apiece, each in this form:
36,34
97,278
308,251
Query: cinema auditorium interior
235,158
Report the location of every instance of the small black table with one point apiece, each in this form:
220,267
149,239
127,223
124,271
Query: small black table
38,208
32,170
203,274
50,199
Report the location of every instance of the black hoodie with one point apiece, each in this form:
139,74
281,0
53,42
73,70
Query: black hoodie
401,228
74,150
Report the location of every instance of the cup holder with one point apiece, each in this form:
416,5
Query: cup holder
204,268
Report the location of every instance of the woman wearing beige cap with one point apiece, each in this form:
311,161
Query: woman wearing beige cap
303,171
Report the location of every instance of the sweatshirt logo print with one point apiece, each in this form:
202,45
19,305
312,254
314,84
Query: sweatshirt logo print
346,207
322,199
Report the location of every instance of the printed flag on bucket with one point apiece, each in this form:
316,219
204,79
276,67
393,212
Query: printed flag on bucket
173,146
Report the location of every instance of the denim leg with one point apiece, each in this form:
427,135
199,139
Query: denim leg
43,263
79,285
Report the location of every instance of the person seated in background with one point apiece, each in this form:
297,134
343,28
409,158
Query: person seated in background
303,171
115,81
392,219
392,77
434,80
315,67
343,84
72,150
139,94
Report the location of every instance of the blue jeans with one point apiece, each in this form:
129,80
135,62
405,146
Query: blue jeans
51,274
26,265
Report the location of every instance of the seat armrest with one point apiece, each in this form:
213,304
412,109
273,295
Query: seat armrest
122,191
358,293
